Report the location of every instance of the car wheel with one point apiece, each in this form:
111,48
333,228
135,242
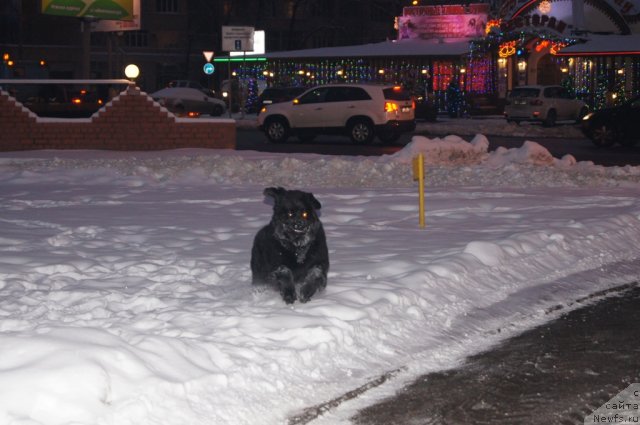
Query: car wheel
361,131
584,111
216,111
277,130
603,135
550,121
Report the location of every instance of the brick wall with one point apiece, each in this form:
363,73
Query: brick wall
130,121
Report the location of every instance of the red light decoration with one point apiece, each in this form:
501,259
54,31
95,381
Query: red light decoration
491,24
542,45
556,46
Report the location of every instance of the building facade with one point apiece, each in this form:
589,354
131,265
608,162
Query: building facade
174,33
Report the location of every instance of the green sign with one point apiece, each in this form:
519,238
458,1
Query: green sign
117,10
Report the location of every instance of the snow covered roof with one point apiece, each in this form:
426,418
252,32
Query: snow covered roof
432,47
605,45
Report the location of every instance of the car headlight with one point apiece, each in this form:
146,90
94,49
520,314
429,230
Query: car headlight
587,117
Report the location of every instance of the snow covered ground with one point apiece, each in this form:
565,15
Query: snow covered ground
125,294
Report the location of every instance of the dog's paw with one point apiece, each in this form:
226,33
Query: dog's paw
288,294
306,292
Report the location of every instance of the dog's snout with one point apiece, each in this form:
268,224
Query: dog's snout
299,225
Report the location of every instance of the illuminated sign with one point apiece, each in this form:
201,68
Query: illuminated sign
106,25
544,21
120,10
442,21
441,26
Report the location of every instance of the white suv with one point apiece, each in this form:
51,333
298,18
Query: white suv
546,104
360,111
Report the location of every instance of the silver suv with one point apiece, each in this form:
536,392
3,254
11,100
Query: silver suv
359,111
546,104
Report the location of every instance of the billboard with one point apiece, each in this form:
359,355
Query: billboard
441,26
443,21
106,25
121,10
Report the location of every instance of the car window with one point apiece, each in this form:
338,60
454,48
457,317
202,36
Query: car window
314,96
525,92
357,93
295,91
396,93
551,92
564,93
346,94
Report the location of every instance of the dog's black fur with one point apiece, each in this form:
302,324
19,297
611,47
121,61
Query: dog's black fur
291,251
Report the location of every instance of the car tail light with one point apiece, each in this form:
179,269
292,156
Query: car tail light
192,114
413,104
390,107
76,101
535,102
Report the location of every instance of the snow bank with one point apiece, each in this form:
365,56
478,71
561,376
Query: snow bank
125,294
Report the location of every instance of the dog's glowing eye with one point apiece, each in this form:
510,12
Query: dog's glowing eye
305,215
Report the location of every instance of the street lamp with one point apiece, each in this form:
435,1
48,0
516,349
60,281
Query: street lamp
132,72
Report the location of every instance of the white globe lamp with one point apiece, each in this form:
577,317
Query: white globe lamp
132,71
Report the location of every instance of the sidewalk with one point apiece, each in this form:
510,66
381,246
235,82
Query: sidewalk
558,373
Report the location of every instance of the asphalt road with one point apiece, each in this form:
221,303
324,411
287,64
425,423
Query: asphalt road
581,149
557,373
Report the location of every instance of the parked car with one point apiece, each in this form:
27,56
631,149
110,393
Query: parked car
191,85
273,95
185,101
546,104
425,106
359,111
616,124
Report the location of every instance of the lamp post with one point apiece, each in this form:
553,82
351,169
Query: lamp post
132,72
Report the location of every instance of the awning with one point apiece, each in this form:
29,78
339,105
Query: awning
605,45
433,47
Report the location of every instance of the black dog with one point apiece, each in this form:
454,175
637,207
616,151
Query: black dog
291,251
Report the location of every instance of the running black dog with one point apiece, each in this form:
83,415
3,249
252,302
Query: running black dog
290,253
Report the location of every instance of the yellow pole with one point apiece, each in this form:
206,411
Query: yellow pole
418,174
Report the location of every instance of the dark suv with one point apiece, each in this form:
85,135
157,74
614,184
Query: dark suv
616,124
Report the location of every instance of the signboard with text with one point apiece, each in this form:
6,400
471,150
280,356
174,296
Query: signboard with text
441,26
107,25
237,39
258,45
443,21
121,10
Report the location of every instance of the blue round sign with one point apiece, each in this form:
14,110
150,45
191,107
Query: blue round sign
208,68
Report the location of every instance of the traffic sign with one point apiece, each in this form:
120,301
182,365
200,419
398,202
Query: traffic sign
208,68
208,55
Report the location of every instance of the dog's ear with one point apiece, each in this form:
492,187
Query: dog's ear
312,200
275,192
